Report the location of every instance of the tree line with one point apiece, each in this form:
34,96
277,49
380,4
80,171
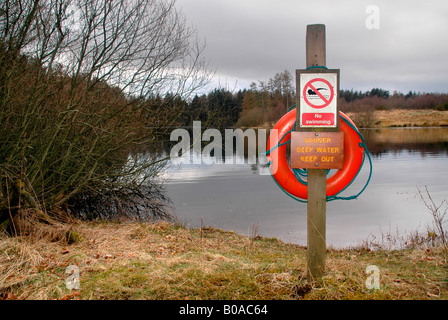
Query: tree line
381,99
222,108
265,102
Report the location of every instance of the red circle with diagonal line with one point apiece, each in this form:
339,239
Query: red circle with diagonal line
310,86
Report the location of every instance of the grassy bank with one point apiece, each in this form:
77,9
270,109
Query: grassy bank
167,261
402,118
393,118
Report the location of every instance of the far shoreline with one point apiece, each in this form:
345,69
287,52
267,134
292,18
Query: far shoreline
394,118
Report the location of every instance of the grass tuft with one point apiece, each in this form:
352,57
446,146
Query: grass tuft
166,261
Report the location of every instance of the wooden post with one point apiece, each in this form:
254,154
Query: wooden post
315,45
317,205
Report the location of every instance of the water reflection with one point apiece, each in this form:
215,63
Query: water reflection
231,193
392,140
248,144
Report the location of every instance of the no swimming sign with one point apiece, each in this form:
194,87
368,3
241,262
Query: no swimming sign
318,99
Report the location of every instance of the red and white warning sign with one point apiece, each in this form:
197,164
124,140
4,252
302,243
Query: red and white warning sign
318,100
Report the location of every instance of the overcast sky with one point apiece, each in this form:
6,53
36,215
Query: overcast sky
251,40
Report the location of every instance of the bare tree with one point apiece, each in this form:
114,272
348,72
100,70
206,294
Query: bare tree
75,76
281,87
438,213
142,46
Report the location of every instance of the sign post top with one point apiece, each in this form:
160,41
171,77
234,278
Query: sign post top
315,45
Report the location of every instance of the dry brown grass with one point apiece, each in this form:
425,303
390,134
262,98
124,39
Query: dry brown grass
408,118
382,119
163,261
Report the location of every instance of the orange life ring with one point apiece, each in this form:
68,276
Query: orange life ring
285,177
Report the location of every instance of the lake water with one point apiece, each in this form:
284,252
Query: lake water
241,197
